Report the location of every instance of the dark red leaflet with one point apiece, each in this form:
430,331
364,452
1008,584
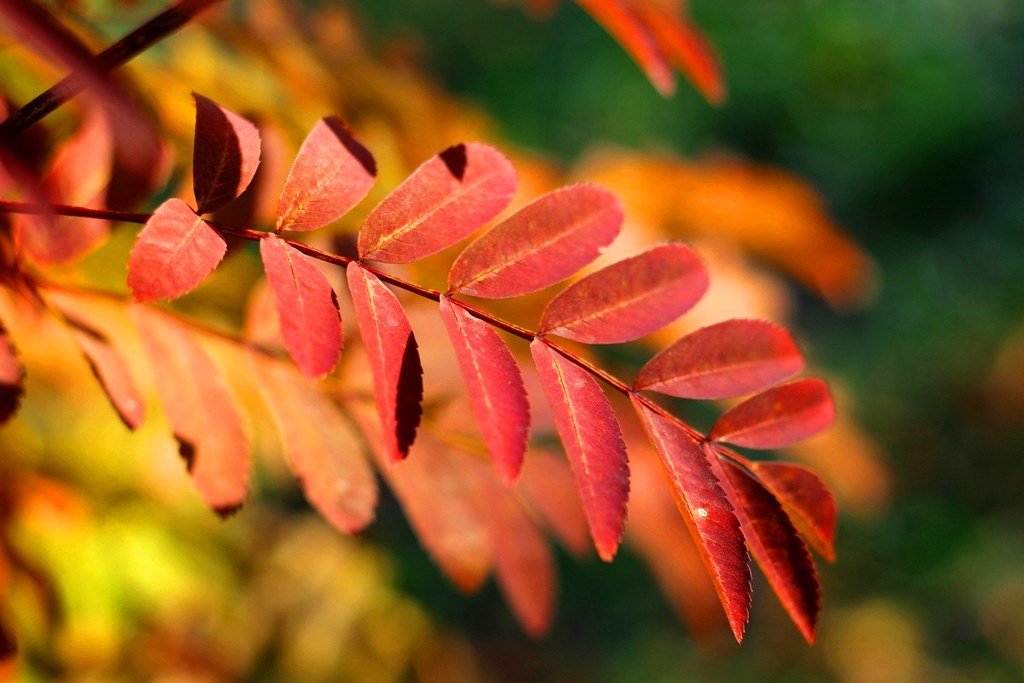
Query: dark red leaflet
173,254
203,412
322,450
779,417
629,299
590,433
441,203
775,544
331,173
394,359
495,386
802,493
705,507
540,245
730,358
307,307
225,155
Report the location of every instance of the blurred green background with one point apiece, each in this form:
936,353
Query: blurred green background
909,118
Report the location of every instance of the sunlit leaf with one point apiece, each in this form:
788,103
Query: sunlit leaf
779,417
620,19
173,254
541,244
590,433
806,497
442,202
629,299
730,358
225,155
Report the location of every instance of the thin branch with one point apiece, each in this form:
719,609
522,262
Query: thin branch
143,37
343,261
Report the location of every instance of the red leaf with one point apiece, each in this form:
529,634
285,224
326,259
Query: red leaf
109,368
730,358
306,305
803,493
12,378
442,506
495,386
225,155
79,175
776,546
331,174
778,417
173,254
685,47
590,433
547,485
541,244
707,511
202,410
523,562
629,299
442,202
321,448
394,359
620,20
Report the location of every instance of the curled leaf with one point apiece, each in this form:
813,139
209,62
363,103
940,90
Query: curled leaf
589,430
541,244
202,410
779,417
727,359
707,511
173,254
495,386
776,546
442,202
225,154
321,448
394,359
629,299
330,175
306,305
806,497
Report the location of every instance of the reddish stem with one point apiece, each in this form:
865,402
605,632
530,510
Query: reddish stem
343,261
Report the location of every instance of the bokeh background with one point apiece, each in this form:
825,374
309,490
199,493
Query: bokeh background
870,159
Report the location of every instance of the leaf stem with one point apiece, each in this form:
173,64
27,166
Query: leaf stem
143,37
249,234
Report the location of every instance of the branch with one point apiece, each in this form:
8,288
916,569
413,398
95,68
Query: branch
143,37
343,261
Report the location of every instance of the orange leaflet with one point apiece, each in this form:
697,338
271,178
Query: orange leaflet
779,417
592,439
394,359
173,254
547,485
79,175
629,299
113,375
541,244
495,386
225,155
707,511
12,378
803,494
684,47
442,202
727,359
620,19
306,305
774,543
202,410
331,173
321,448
